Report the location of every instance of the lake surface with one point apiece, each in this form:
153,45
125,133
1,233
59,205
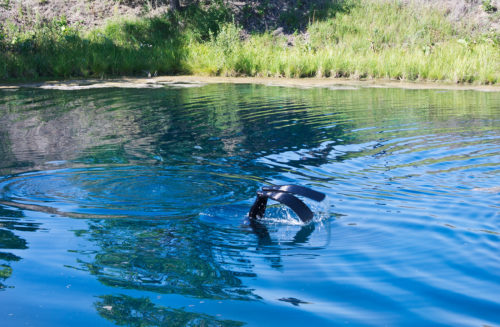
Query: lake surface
129,207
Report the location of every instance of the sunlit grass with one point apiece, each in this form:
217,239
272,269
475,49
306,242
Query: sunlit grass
373,40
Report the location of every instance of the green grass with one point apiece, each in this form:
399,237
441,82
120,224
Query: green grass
363,40
121,48
373,40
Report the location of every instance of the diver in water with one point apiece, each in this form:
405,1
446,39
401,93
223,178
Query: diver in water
285,194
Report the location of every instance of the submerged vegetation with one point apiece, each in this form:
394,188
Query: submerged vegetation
352,39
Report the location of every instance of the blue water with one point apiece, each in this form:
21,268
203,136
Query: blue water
128,207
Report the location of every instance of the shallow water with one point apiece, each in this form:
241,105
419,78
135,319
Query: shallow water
128,207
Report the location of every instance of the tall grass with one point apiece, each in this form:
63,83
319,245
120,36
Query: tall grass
122,47
369,39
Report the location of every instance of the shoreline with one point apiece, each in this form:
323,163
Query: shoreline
333,83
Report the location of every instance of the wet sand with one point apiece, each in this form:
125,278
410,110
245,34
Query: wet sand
193,81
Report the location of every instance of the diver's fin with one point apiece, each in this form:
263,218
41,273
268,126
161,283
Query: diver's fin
305,214
296,189
259,207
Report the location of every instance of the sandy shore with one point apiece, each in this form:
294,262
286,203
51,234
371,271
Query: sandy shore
187,81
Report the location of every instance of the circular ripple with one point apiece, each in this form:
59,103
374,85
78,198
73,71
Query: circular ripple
124,190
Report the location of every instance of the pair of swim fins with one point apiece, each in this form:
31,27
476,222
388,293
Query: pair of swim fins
285,194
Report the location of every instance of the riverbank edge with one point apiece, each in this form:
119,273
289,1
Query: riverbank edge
313,82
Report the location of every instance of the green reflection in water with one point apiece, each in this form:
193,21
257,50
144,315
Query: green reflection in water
128,311
170,257
117,126
9,222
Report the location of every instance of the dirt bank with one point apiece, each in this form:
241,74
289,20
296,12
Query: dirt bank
253,15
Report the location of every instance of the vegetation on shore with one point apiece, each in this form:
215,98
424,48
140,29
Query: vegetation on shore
353,39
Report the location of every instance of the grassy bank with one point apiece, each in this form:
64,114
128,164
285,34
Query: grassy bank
121,48
374,39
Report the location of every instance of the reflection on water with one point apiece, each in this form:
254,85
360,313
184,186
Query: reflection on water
164,257
127,311
8,240
161,181
10,222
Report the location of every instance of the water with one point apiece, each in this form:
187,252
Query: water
128,207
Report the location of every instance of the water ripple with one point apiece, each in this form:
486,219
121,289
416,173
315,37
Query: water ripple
408,235
126,190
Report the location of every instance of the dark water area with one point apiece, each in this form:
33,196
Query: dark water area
129,207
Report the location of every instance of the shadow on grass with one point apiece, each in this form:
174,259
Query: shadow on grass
127,47
121,48
290,15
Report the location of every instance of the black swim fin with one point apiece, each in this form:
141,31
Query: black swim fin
259,207
283,194
296,189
